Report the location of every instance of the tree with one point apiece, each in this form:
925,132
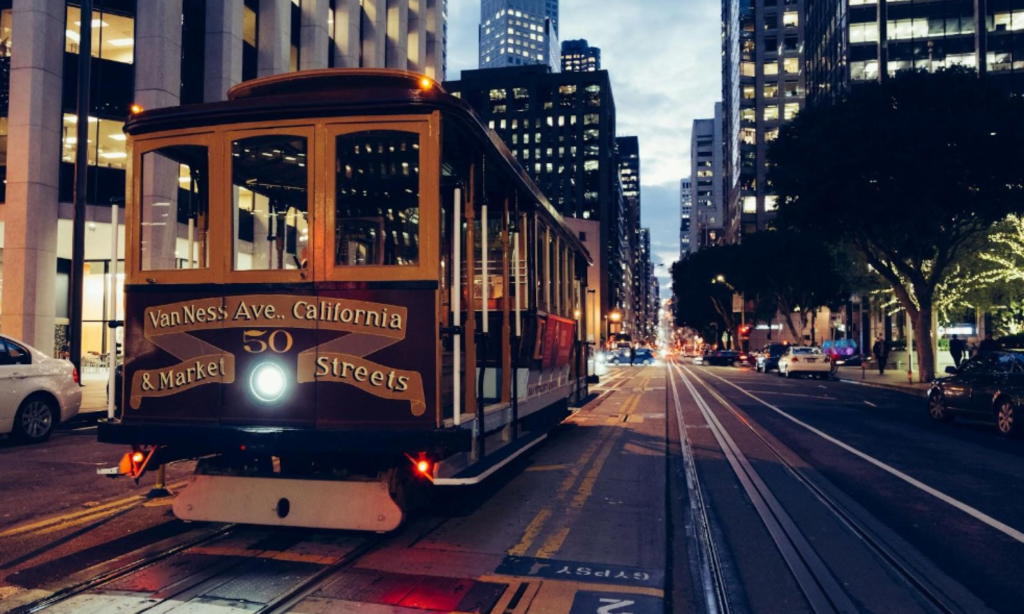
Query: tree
908,173
794,274
701,303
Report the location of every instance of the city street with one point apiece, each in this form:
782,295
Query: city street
791,496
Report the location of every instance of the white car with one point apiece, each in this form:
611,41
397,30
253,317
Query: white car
796,360
36,392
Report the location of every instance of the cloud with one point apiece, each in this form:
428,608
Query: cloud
664,60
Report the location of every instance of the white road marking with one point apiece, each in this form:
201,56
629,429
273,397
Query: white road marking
960,505
870,403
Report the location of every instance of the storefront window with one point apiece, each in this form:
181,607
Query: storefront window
113,36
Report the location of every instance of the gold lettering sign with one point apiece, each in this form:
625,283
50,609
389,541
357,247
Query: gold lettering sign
372,327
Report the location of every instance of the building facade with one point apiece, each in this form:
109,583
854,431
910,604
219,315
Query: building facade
763,80
628,151
707,150
561,127
685,209
579,56
154,54
518,33
849,41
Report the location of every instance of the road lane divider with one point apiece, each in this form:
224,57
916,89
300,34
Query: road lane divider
823,591
975,513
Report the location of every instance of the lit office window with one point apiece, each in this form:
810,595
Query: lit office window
113,36
106,145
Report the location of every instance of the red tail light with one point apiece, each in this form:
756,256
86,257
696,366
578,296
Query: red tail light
74,374
794,359
138,457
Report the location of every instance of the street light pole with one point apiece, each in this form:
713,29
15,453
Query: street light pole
81,170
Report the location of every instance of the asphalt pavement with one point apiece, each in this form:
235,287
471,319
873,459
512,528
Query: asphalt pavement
676,488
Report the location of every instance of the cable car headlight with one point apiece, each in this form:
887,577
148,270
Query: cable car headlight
268,382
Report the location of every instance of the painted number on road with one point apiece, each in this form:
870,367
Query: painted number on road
588,602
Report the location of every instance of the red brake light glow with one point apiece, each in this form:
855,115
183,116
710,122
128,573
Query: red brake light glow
138,457
423,467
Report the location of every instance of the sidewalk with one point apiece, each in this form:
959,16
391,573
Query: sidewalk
94,394
893,380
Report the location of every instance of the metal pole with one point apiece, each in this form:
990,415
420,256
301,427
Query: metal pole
111,298
81,169
457,305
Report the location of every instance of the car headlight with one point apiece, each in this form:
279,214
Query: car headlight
268,382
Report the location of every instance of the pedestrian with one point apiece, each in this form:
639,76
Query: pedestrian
956,349
972,350
881,352
988,344
632,354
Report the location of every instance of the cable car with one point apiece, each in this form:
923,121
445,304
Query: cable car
341,288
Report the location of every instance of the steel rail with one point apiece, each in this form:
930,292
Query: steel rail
107,577
823,591
712,575
924,588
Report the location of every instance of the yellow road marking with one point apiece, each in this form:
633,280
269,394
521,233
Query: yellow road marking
554,543
280,555
548,467
595,586
62,521
532,530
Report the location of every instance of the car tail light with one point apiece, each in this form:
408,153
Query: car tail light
74,374
794,359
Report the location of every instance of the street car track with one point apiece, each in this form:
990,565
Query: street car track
123,571
892,558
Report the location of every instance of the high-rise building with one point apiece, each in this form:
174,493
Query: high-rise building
579,56
685,208
518,33
763,87
561,128
845,45
644,271
156,54
628,151
707,214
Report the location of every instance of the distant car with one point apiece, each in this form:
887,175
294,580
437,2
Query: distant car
36,392
643,357
617,357
989,386
722,358
809,360
768,359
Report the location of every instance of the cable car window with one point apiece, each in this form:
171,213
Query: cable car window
271,205
377,192
174,220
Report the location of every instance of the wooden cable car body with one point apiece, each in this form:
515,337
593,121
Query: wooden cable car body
339,284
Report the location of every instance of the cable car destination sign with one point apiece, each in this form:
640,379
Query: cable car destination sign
263,322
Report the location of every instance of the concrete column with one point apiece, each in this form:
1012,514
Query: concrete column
158,84
374,34
275,37
347,48
314,34
158,54
223,48
418,36
33,169
397,55
435,39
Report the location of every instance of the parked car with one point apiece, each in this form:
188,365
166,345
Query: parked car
768,358
722,358
809,360
989,386
36,392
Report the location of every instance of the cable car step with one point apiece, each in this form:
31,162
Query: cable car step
478,472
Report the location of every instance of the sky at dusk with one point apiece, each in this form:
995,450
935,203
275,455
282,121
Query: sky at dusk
664,60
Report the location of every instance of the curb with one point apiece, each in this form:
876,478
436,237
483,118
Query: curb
916,392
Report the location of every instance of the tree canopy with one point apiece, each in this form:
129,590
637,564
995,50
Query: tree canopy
908,172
